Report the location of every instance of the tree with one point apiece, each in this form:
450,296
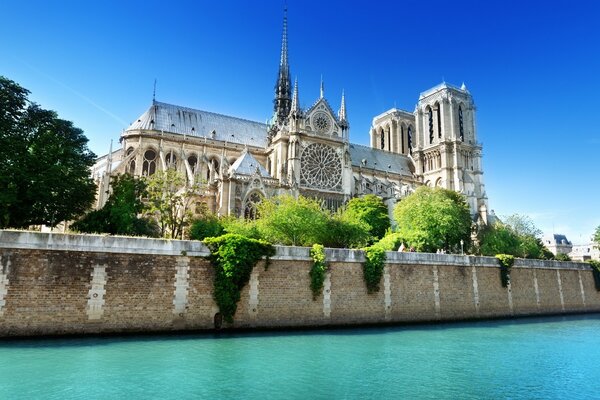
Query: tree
517,236
290,221
120,214
44,163
433,218
371,210
345,231
596,236
170,200
206,225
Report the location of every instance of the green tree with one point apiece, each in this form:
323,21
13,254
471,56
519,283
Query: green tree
371,210
170,201
290,221
120,214
433,218
344,231
44,163
596,236
206,224
517,236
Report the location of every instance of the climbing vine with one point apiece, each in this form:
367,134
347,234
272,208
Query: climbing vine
596,271
317,272
506,263
233,257
373,267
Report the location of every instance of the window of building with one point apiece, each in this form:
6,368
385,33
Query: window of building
430,114
410,145
149,163
460,124
251,205
382,134
439,121
171,160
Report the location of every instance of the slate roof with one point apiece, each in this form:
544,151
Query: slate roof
380,160
246,164
188,121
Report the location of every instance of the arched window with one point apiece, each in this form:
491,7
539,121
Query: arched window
131,166
439,120
213,170
410,145
193,162
251,205
390,138
401,149
430,115
460,124
171,160
382,134
149,164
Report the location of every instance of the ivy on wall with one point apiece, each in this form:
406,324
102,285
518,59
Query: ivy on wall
318,270
373,267
596,271
233,257
506,263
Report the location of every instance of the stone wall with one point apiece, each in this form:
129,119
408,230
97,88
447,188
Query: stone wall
73,284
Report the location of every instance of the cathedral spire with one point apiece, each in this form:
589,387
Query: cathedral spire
342,112
283,86
295,104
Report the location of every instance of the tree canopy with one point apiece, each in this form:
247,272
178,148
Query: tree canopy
44,163
596,236
433,218
121,213
517,236
371,210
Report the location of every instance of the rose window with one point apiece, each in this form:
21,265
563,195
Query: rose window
321,167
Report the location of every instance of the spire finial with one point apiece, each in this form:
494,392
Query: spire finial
295,103
154,92
342,112
283,86
322,88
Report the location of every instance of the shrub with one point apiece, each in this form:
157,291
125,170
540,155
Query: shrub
240,226
345,232
233,257
207,226
373,267
596,271
390,242
318,270
506,263
562,257
372,211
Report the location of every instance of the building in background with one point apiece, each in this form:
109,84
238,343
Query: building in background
308,151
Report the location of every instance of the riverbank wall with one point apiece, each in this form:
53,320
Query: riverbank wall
53,284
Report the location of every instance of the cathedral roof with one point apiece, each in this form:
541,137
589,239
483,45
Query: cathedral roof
379,160
246,164
441,86
188,121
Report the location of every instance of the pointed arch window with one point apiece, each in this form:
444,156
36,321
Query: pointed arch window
409,135
171,160
430,116
439,120
149,163
251,205
460,124
382,134
131,166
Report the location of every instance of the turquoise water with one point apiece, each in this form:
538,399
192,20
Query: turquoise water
550,358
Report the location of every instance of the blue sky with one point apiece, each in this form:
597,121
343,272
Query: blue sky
532,68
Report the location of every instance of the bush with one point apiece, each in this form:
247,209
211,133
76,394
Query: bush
318,269
372,211
562,257
233,257
344,232
240,226
208,226
373,267
506,263
595,265
390,242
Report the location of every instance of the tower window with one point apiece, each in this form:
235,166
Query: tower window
460,124
410,140
382,134
430,113
439,121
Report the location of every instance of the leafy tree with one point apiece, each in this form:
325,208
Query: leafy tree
44,163
120,214
290,221
596,236
343,230
170,201
241,226
206,225
433,218
562,257
517,236
371,210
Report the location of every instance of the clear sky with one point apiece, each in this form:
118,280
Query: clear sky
531,66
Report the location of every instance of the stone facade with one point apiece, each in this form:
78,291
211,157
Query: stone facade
307,151
142,285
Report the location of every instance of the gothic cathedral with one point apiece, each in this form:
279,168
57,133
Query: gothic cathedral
307,152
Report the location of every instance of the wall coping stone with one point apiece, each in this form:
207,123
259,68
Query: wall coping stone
135,245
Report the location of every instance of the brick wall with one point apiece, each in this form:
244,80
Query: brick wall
72,284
